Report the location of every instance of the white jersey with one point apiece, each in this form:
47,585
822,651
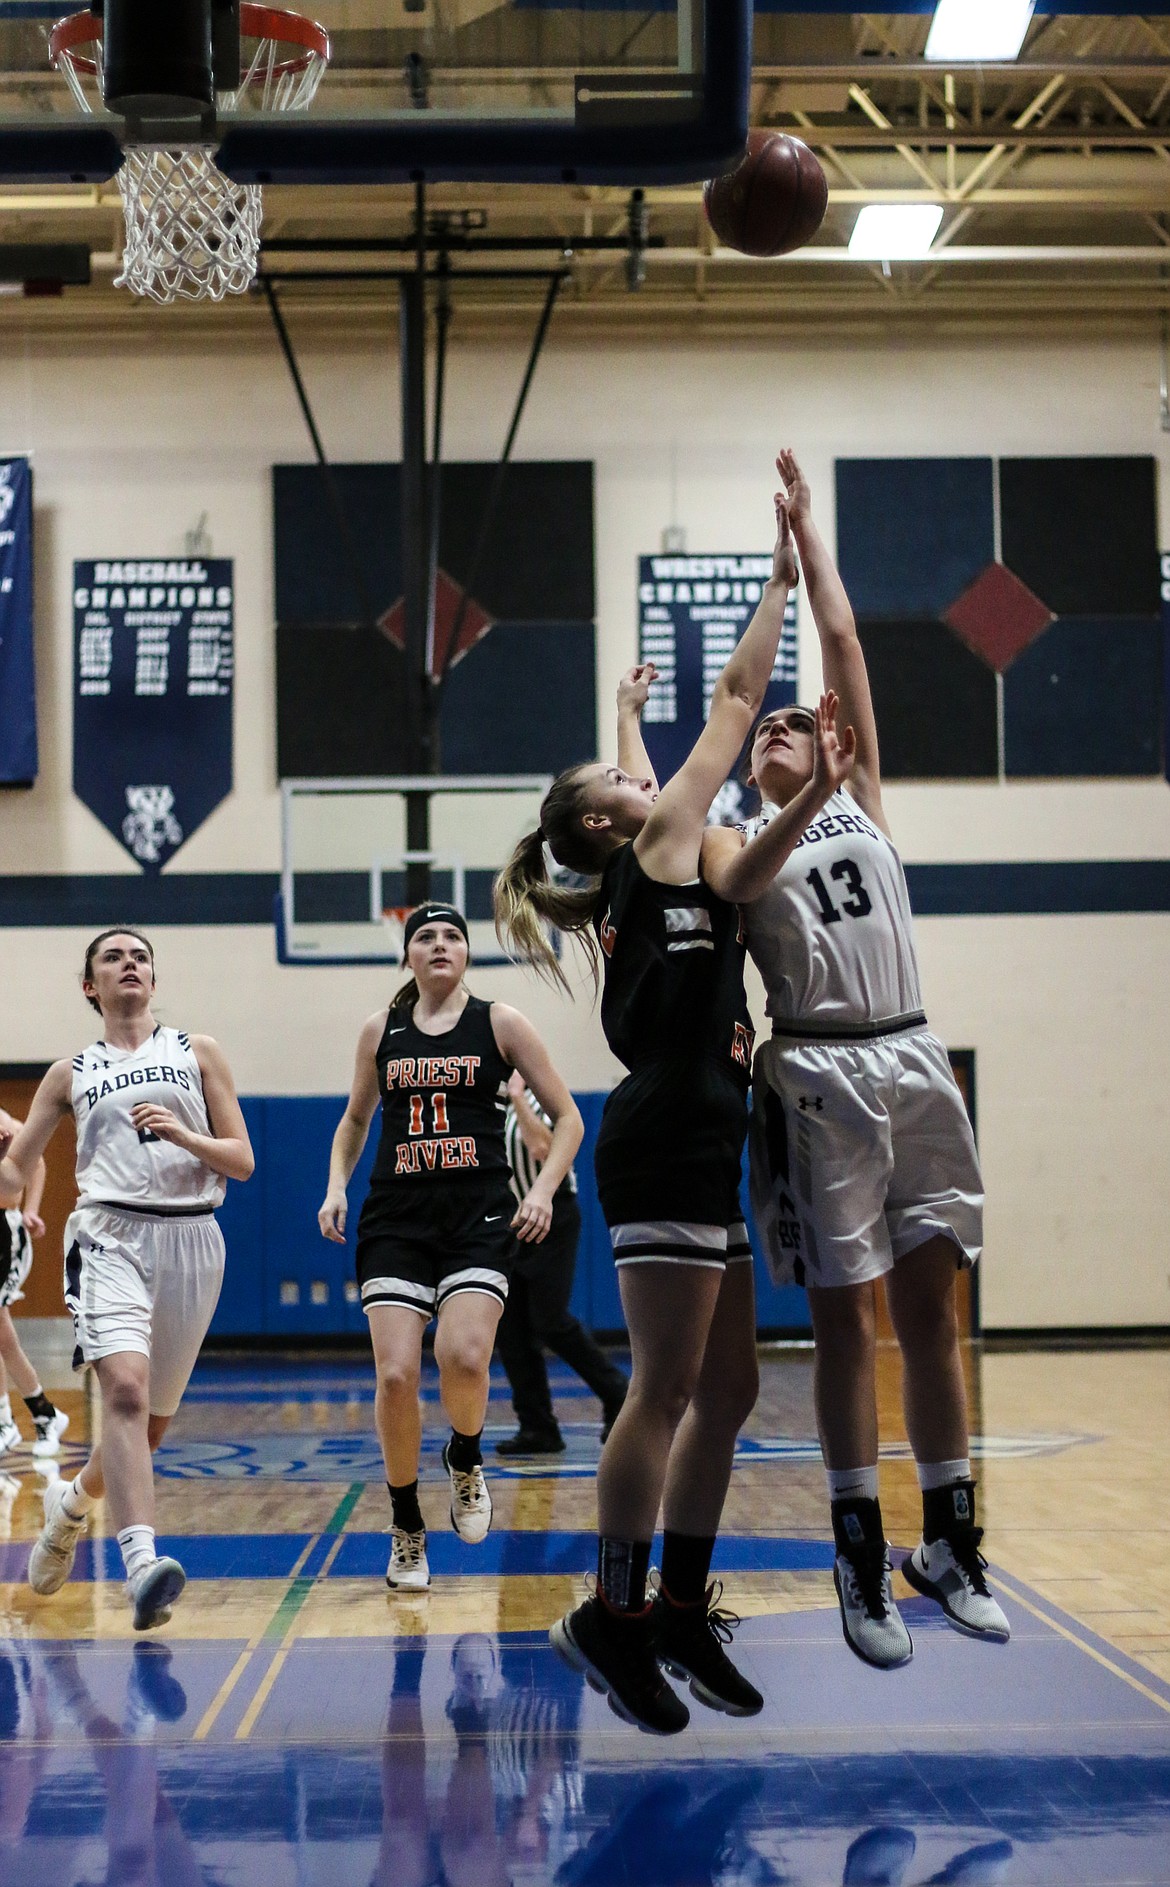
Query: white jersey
116,1163
832,936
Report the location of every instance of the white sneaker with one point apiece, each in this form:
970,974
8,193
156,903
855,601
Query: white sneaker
10,1437
48,1441
951,1572
869,1618
51,1560
408,1570
154,1590
471,1504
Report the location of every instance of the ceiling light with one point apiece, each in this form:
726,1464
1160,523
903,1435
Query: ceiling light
895,232
978,29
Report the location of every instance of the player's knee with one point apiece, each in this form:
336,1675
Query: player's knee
398,1379
726,1403
844,1321
125,1395
469,1356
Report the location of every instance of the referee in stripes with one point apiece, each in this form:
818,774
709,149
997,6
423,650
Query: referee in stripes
537,1314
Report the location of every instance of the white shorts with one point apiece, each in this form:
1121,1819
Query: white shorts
136,1282
860,1151
16,1256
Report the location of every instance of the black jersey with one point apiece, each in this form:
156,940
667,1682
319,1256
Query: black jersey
443,1100
673,971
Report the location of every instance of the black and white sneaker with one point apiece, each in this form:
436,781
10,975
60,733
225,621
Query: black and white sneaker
617,1654
690,1645
948,1567
50,1429
408,1570
153,1592
870,1620
471,1503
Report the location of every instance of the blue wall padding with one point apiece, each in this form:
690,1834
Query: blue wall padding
1083,533
913,534
525,694
1086,700
270,1227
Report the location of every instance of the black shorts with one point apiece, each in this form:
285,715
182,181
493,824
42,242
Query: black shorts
419,1245
671,1145
16,1255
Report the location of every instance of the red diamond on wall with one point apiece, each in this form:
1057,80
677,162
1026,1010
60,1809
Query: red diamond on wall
998,616
476,623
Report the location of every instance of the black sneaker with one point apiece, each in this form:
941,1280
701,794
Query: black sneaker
616,1654
532,1441
690,1645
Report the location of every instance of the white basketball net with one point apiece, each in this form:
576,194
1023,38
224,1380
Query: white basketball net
192,234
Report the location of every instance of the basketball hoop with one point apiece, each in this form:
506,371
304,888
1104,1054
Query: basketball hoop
394,917
191,233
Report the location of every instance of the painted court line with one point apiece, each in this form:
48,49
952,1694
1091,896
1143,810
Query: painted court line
1090,1651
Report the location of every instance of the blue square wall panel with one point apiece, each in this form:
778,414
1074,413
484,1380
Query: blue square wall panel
913,534
1083,533
1086,700
935,702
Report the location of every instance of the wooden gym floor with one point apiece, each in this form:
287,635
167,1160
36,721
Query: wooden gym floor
296,1723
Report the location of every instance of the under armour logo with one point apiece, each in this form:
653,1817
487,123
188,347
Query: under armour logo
816,1103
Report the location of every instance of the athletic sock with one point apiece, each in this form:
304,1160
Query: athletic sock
39,1406
686,1562
622,1569
852,1483
77,1503
405,1508
933,1474
138,1550
463,1451
5,1410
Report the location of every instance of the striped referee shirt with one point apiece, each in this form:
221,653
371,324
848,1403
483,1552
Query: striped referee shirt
522,1167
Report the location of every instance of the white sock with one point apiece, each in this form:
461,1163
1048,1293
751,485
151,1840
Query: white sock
138,1551
77,1502
932,1474
852,1483
5,1408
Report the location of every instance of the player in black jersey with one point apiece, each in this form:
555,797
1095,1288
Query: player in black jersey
668,1165
437,1230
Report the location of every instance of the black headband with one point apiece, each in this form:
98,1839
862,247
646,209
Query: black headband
432,914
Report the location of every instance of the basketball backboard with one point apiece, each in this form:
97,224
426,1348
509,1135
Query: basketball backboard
623,92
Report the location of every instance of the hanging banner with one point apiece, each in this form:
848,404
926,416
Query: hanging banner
18,703
691,613
152,702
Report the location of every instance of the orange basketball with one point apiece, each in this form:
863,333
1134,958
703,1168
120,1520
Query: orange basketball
773,202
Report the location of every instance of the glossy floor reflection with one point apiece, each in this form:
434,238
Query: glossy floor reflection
297,1725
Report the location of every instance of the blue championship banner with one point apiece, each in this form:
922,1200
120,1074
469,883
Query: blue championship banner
152,707
691,613
18,703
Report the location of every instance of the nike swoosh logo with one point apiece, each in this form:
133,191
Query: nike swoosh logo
401,1031
494,1218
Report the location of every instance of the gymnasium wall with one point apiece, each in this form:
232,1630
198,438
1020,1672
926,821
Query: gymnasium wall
1051,976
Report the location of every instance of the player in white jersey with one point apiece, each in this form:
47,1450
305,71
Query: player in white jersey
159,1131
863,1160
19,1225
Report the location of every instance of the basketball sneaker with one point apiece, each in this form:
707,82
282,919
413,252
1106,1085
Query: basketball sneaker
690,1645
471,1503
153,1592
51,1560
10,1437
50,1429
616,1651
949,1568
870,1620
408,1570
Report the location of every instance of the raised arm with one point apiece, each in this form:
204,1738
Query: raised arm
668,845
352,1128
633,690
227,1148
842,660
23,1148
519,1044
741,872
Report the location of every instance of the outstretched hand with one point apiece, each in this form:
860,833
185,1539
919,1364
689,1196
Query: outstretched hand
799,495
784,565
833,753
634,686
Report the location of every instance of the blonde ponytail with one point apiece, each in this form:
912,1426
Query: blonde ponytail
524,897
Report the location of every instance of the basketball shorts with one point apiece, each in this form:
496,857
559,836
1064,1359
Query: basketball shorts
135,1282
860,1151
419,1246
670,1148
16,1256
669,1242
